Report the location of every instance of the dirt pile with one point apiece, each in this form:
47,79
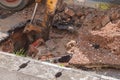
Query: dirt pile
111,33
99,41
99,48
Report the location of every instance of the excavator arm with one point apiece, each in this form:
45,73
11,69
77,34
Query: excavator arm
42,30
50,8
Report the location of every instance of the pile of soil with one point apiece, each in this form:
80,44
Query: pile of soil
99,48
98,42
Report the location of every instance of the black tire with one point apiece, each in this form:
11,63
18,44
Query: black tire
17,7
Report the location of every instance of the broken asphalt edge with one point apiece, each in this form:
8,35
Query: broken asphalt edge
38,70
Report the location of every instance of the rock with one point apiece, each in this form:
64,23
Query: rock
51,45
8,46
42,50
45,57
93,21
32,51
70,44
79,13
69,12
71,28
105,20
115,14
3,35
71,47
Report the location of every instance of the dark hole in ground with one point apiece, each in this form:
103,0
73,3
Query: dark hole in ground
18,40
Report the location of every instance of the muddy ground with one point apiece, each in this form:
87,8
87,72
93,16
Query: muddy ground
84,37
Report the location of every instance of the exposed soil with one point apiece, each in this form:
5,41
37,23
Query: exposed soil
5,13
79,37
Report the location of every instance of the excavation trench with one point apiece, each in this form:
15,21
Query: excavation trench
79,36
27,43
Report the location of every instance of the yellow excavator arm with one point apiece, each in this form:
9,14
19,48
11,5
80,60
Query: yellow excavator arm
50,8
50,4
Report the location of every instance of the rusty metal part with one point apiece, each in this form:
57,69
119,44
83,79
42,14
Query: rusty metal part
35,9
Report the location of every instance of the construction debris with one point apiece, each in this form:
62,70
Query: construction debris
96,42
106,54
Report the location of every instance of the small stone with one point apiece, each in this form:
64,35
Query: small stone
70,44
50,45
3,35
105,20
41,51
69,12
79,13
32,51
43,58
71,29
115,15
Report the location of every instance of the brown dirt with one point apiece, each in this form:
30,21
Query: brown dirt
90,35
98,48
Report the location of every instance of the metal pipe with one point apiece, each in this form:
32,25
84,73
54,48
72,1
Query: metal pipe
34,12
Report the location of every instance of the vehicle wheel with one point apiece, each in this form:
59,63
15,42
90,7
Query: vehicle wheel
14,5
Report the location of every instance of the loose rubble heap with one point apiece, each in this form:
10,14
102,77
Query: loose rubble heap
99,40
100,48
